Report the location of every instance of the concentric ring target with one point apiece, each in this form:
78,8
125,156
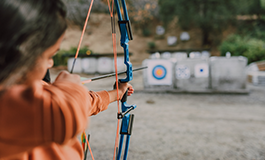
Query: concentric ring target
159,72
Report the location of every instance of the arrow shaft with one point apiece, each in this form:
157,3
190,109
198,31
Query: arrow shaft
110,75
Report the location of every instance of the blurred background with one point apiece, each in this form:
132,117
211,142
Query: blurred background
236,26
171,29
193,48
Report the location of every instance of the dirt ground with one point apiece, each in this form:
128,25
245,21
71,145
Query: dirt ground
183,126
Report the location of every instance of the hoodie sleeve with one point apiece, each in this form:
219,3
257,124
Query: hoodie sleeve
38,115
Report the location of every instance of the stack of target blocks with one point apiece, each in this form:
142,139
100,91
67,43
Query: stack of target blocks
92,65
195,72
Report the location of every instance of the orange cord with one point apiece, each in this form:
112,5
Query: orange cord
76,55
89,146
116,76
111,10
84,29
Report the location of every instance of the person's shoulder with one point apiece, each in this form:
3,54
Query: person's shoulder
21,91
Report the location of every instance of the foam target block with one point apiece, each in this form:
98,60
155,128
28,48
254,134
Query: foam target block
192,75
172,40
105,65
160,30
89,65
166,55
195,55
77,65
120,65
205,54
184,36
201,70
228,74
158,73
179,55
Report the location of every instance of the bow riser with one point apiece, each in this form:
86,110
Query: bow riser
126,36
127,119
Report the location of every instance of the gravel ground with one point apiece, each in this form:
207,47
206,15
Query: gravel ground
184,126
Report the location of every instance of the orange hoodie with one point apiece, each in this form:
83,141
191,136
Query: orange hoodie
41,122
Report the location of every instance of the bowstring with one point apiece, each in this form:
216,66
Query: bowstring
82,35
76,55
111,9
112,15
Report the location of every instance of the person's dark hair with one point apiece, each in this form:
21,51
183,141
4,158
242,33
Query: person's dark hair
27,29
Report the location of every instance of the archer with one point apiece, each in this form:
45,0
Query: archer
40,120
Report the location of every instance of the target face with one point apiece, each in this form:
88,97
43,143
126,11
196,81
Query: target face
182,72
159,72
201,70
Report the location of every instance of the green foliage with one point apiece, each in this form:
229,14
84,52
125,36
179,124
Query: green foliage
167,10
254,7
256,50
60,59
82,52
212,16
151,45
262,2
252,48
146,32
142,12
254,29
62,56
208,13
234,44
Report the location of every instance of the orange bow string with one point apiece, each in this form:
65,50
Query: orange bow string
111,10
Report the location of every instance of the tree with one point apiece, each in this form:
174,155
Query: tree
256,7
262,2
211,16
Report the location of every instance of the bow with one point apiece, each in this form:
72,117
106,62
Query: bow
127,118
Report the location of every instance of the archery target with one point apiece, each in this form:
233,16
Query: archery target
182,72
160,30
201,70
159,72
192,74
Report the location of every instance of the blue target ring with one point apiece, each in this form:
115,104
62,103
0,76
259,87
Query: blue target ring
159,72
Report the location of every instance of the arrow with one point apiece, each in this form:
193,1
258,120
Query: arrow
109,75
